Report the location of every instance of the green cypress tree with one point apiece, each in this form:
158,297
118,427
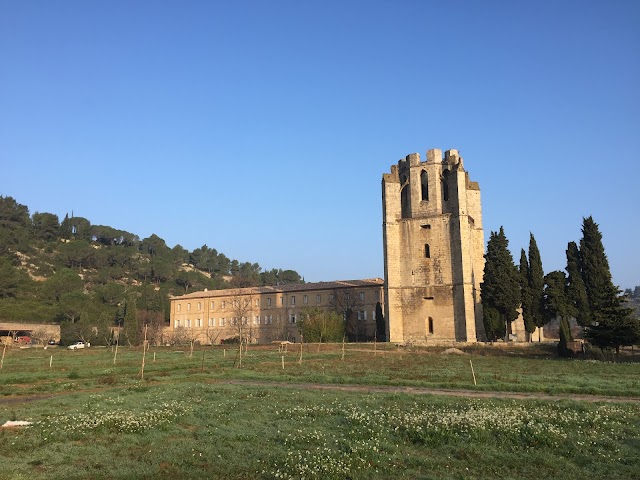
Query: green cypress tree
612,324
536,283
381,327
556,302
525,294
131,330
565,338
576,292
500,289
595,269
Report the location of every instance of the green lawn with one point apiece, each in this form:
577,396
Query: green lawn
94,419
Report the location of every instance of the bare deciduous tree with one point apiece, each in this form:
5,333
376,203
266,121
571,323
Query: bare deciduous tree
242,308
347,303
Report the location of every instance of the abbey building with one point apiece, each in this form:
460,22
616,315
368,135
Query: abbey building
433,244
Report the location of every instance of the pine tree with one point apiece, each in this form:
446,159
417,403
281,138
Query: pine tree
576,292
536,283
525,294
500,289
612,324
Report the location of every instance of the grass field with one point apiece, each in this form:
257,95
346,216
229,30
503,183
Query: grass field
94,419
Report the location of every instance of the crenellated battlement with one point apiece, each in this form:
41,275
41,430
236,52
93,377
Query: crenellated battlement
450,160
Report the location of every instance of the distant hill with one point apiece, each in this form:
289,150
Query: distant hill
93,277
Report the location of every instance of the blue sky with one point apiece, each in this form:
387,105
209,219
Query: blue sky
262,129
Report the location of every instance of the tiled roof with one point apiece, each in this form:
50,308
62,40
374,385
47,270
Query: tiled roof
298,287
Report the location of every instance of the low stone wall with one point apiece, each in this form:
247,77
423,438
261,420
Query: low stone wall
39,332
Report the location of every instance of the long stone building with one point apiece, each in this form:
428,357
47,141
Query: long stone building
433,250
271,313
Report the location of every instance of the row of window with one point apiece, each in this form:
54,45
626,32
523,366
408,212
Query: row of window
257,320
223,322
424,190
292,301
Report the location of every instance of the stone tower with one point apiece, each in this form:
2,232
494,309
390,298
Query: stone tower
433,250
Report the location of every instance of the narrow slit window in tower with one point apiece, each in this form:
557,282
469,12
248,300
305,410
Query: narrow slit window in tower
404,201
430,325
427,251
445,185
424,182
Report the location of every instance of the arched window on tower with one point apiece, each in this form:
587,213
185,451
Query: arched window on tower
424,182
445,185
427,251
404,201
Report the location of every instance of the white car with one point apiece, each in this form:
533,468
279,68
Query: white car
78,345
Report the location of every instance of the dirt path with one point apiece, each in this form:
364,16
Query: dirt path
433,391
364,389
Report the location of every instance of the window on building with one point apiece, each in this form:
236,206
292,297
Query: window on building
362,315
445,185
222,322
292,318
256,320
404,201
293,300
318,298
427,251
430,325
199,322
305,299
424,183
188,306
361,296
269,302
347,296
212,305
223,304
257,302
177,323
212,322
332,297
199,305
188,323
179,307
281,300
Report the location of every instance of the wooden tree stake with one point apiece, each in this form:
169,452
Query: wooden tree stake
144,351
473,373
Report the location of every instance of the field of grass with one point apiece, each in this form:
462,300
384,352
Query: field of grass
94,419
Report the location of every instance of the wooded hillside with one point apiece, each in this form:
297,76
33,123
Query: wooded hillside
82,275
